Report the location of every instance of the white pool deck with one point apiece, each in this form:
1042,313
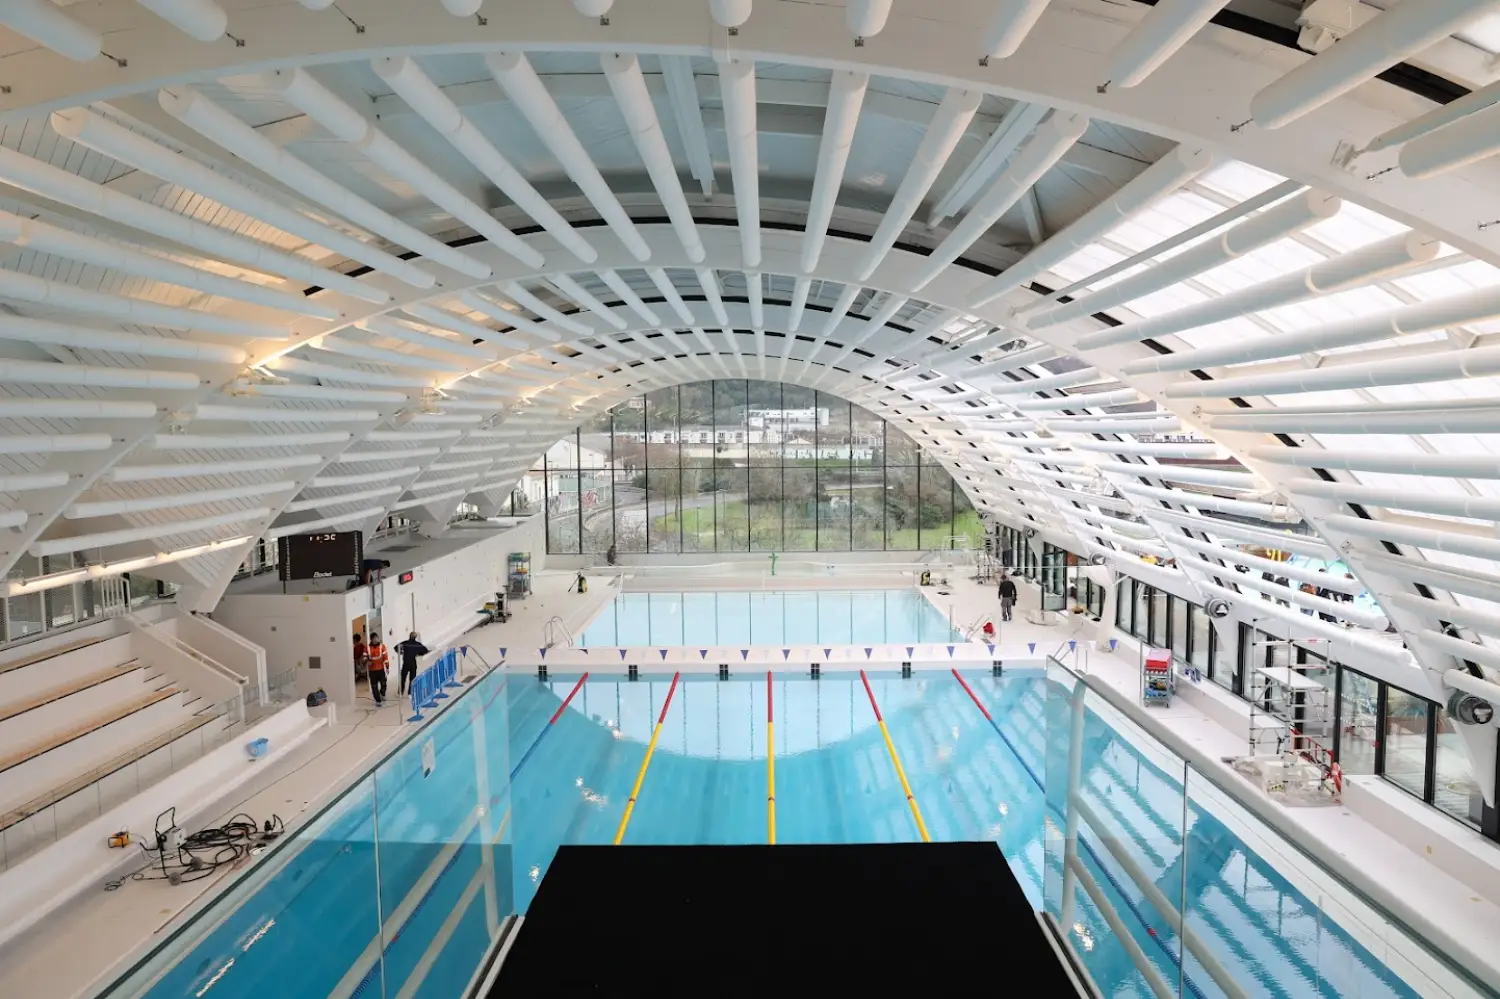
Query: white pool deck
94,938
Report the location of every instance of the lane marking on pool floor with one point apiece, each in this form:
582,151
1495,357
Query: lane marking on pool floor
650,749
916,813
770,766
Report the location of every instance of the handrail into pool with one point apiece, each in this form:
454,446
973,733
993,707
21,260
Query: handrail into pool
916,813
1426,934
650,749
238,887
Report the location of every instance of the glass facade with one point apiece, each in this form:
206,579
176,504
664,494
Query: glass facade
1376,729
747,466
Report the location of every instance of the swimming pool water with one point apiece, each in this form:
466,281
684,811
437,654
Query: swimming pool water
317,916
837,617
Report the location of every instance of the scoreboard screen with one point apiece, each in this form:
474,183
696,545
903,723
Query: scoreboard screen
320,556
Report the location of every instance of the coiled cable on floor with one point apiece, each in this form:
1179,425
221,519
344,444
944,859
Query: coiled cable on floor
201,854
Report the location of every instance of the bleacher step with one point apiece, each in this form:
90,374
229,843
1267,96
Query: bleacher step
75,686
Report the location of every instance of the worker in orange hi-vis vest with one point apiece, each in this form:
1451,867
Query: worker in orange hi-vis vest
380,662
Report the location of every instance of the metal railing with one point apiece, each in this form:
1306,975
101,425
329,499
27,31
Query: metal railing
556,632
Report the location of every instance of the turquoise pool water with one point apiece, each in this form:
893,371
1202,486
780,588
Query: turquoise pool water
837,617
438,855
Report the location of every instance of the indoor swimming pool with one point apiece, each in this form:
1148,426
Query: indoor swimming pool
396,890
792,617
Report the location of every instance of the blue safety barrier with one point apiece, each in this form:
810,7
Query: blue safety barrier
427,686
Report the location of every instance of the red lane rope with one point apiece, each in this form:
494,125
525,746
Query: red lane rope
875,707
978,703
567,700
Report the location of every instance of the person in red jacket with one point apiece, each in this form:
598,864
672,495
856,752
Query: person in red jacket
380,662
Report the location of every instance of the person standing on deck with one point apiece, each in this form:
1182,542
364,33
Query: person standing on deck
379,663
1007,596
411,650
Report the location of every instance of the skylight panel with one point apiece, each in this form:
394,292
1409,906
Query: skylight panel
1220,333
1089,260
1354,227
1237,180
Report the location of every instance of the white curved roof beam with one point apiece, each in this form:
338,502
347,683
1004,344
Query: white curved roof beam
1218,478
321,523
1454,579
1471,507
1167,27
128,535
46,24
187,470
518,293
238,442
104,136
737,90
70,189
998,148
1458,648
298,87
1233,557
1338,609
628,296
1302,544
623,71
945,130
572,290
1431,366
1048,143
218,125
1255,232
219,413
1480,417
1202,501
1011,22
38,235
388,326
40,331
1390,37
1461,466
1081,400
1048,383
708,280
846,95
338,372
338,499
1160,179
434,107
123,309
1345,644
339,344
519,80
442,319
1435,537
669,293
1476,306
1166,424
26,483
204,20
1379,261
682,94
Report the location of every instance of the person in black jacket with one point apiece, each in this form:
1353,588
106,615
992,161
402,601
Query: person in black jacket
1007,597
411,650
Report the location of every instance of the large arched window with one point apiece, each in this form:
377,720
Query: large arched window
739,465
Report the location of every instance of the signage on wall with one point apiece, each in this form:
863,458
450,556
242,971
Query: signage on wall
406,577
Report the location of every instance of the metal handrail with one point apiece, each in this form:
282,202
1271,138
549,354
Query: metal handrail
550,630
1379,898
163,635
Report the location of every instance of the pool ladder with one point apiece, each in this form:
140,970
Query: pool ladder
555,631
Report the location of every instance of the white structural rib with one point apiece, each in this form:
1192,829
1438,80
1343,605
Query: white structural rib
1464,141
434,107
1009,25
44,22
516,76
1047,145
866,18
1156,181
1472,507
1291,216
1473,307
1003,141
1460,466
70,189
737,89
682,92
214,123
846,95
629,86
1167,27
204,20
298,87
943,133
1379,44
47,238
98,133
1375,262
25,288
1444,365
29,330
127,535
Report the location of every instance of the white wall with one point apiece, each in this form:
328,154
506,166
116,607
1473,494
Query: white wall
441,602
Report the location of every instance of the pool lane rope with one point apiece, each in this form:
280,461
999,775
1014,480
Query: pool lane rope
770,767
650,748
548,727
916,813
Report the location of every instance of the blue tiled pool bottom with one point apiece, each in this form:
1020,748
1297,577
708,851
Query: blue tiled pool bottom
835,617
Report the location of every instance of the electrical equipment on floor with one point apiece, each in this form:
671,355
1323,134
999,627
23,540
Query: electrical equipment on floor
1158,683
518,574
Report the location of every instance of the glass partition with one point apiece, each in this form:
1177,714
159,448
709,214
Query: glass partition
1168,878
